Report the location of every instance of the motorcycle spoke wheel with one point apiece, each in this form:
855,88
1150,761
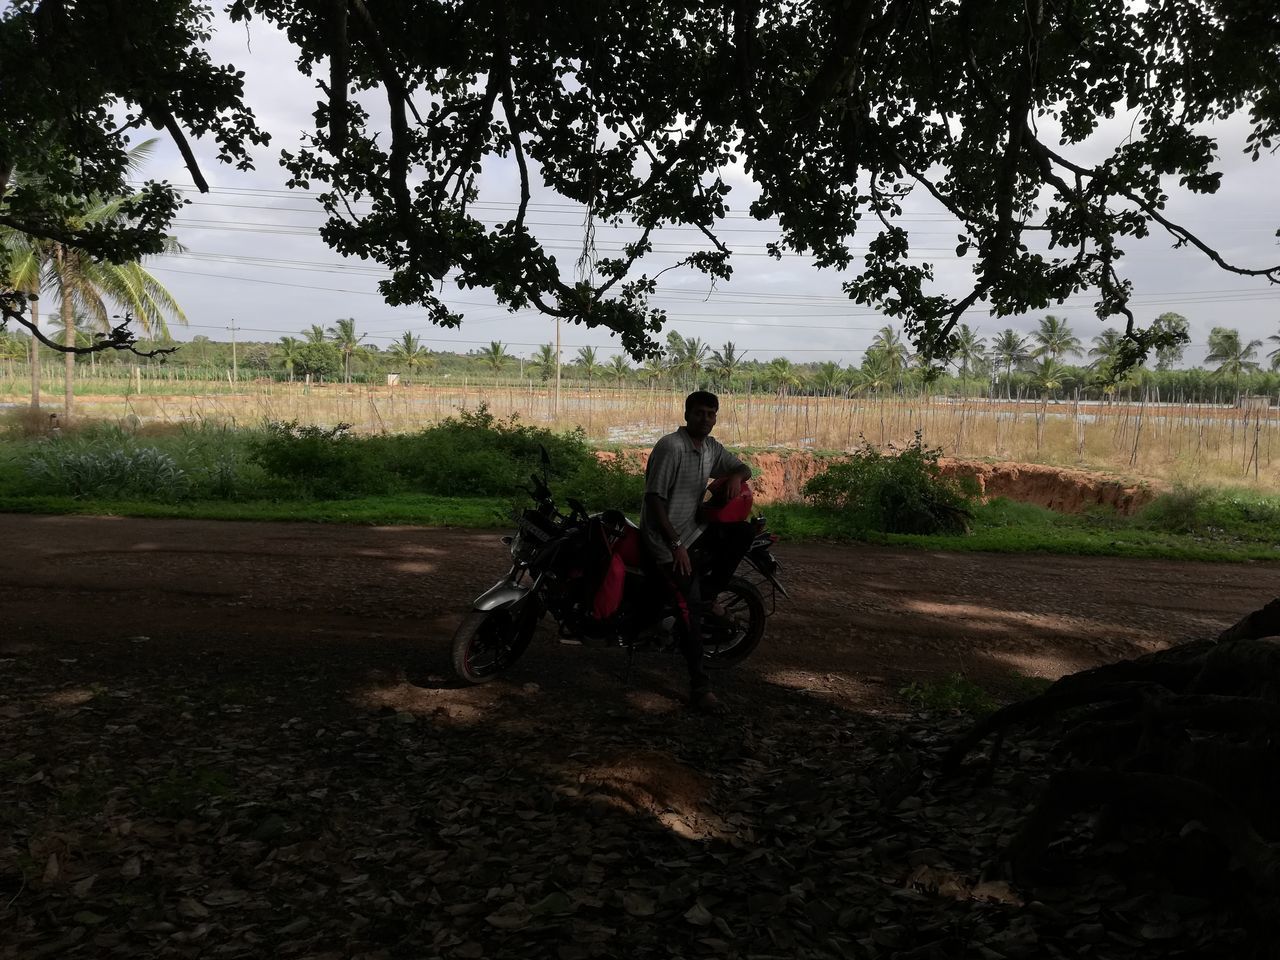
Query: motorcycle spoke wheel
727,644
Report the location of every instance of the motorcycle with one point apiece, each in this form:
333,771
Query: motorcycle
586,571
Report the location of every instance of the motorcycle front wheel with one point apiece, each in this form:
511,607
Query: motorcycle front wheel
487,642
727,642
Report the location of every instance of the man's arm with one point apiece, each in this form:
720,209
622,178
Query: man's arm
656,507
733,468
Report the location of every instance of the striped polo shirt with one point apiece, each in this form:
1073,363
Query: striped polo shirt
678,473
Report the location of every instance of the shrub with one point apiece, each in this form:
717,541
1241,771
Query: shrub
98,471
893,493
952,694
326,463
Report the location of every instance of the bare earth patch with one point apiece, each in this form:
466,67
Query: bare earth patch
241,740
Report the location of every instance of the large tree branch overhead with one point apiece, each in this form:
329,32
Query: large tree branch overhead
635,109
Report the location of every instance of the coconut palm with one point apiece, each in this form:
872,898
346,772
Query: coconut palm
343,333
87,285
1232,355
686,356
828,376
1106,348
781,375
589,363
495,356
24,276
1049,375
875,375
888,342
1055,339
654,367
289,353
619,368
1274,355
969,352
725,362
410,352
11,349
1010,349
315,334
545,361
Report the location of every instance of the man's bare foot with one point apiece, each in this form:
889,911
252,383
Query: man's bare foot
704,701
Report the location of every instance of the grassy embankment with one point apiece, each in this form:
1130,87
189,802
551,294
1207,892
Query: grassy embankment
468,472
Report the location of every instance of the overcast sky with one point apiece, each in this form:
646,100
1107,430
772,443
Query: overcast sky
254,254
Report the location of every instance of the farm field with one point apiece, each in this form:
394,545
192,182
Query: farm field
1169,442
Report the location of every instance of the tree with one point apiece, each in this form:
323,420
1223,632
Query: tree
545,361
343,333
589,363
1055,339
828,376
970,349
1232,355
875,375
725,363
318,359
781,375
1174,329
288,353
1011,350
619,368
686,356
409,352
838,111
1049,375
1105,349
495,357
86,286
315,334
1274,355
888,343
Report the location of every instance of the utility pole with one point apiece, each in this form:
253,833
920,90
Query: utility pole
235,369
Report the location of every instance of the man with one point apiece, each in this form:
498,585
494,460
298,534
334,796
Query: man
675,482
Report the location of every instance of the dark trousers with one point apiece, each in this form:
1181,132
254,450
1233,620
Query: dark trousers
714,556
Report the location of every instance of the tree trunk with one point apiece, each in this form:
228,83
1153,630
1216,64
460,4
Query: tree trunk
35,357
68,360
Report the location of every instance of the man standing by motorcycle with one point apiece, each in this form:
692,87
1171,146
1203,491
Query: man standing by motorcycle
693,560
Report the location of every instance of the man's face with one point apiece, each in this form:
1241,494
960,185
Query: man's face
700,420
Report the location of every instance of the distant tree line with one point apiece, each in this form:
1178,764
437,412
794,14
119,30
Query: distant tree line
1051,362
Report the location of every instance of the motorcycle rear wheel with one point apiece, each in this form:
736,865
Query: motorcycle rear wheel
729,646
487,642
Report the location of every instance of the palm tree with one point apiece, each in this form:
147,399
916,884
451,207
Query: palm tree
781,375
619,368
687,355
654,367
1055,339
1049,375
875,375
315,334
725,362
589,363
1274,355
1010,349
288,353
828,376
343,333
970,350
88,284
409,351
1105,349
545,361
1232,355
495,356
24,277
888,342
11,349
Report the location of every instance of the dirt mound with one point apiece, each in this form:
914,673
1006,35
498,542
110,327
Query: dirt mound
782,476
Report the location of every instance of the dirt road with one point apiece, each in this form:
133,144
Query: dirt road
862,620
